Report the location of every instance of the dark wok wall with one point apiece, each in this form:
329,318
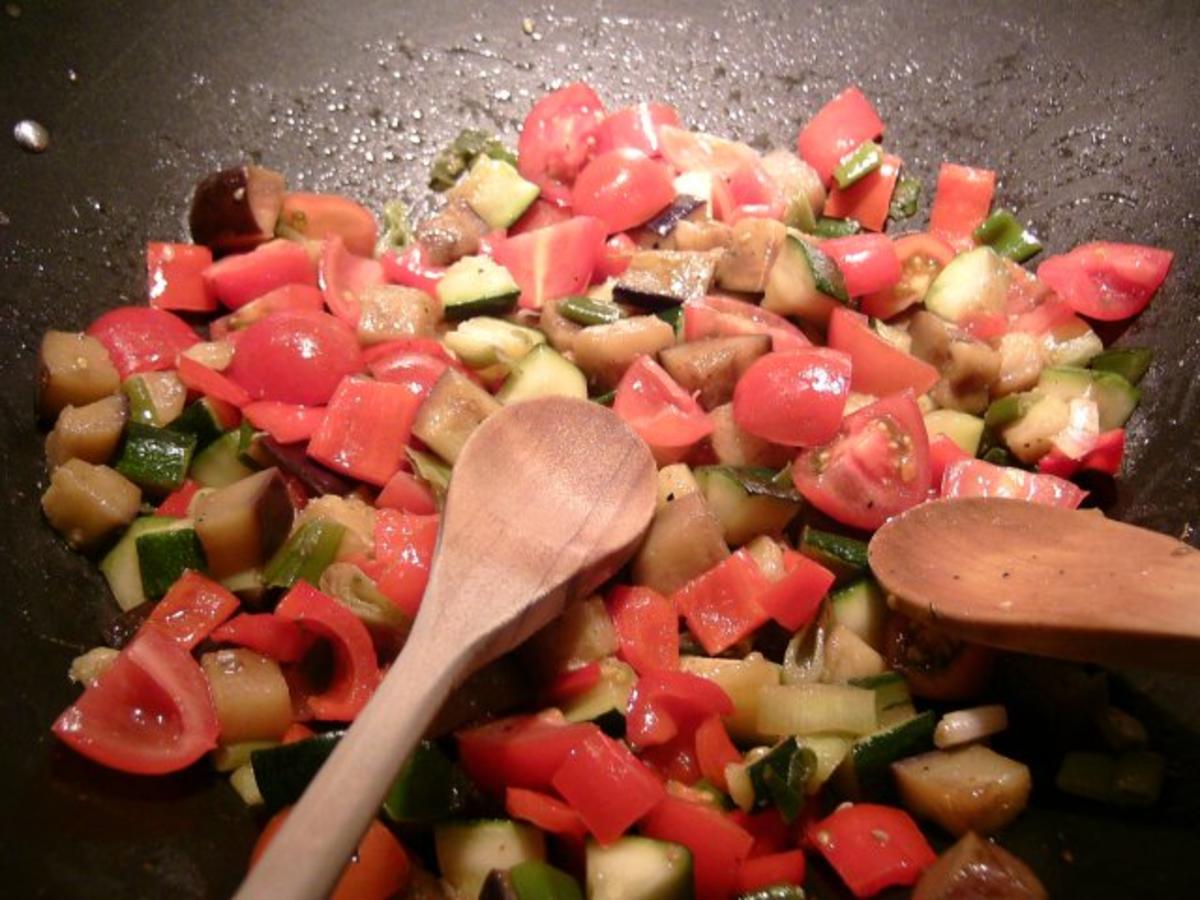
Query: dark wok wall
1086,109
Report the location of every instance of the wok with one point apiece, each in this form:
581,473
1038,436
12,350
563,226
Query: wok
1086,109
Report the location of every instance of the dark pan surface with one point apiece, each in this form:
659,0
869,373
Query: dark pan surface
1087,110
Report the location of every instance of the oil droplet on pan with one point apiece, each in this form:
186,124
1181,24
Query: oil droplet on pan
31,135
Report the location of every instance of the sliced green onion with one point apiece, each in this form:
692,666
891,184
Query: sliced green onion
859,162
905,198
1008,237
587,311
780,778
305,555
835,228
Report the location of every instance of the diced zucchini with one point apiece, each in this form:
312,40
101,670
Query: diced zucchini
1115,397
74,370
604,352
530,880
848,656
1131,363
1071,344
497,193
1021,362
486,341
970,789
90,433
780,777
685,539
742,503
243,524
973,282
606,701
767,554
431,470
828,750
1031,436
746,263
584,633
743,680
861,607
468,851
844,556
306,554
243,781
121,567
454,409
1006,410
639,868
155,398
804,282
352,513
811,708
249,693
228,757
963,428
165,555
1132,779
1120,730
864,773
205,420
657,278
284,771
711,368
675,481
430,788
154,458
890,690
474,286
543,372
219,464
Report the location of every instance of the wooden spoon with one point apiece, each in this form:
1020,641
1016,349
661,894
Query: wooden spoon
1044,580
548,499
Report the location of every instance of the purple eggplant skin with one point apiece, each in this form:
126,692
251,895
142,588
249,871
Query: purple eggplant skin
236,209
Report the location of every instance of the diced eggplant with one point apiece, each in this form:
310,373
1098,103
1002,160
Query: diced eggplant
241,525
1021,362
930,338
392,312
699,237
452,234
90,433
454,409
584,633
682,207
712,367
236,209
85,503
659,278
976,868
388,623
292,460
675,481
735,447
968,789
684,540
747,262
559,330
355,516
249,693
604,352
75,370
967,377
495,689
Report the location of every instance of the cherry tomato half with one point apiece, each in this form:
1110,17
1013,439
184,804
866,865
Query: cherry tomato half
557,138
794,398
623,188
295,357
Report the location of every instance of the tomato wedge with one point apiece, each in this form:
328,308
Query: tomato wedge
558,136
344,276
322,216
541,214
921,256
635,127
236,280
877,466
868,262
715,316
794,398
1107,281
622,188
555,261
192,608
666,416
412,269
961,203
876,366
151,713
976,478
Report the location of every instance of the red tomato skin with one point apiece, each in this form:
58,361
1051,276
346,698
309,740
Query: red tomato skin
794,398
622,188
715,316
365,429
558,136
618,253
868,262
288,297
322,216
977,478
211,383
407,493
344,276
943,452
555,261
266,633
667,417
960,204
541,214
719,846
647,628
236,280
920,254
867,200
174,277
151,713
876,366
288,423
855,479
607,785
519,751
794,600
142,339
544,811
1107,281
295,357
411,269
721,605
850,841
635,128
761,872
838,128
192,608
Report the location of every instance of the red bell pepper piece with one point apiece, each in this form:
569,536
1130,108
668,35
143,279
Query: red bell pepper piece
174,275
976,478
838,128
366,425
547,813
404,546
192,608
714,751
407,493
412,269
760,872
607,785
238,279
416,370
771,834
1105,457
573,682
344,277
520,751
211,383
960,204
666,703
177,502
142,339
288,423
356,670
868,262
872,847
266,633
296,732
721,606
867,200
674,760
943,452
647,628
635,127
719,845
288,298
794,599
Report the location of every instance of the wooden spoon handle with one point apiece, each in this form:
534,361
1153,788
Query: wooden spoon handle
308,854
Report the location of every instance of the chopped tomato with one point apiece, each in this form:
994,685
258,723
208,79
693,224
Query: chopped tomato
142,339
618,253
555,261
752,192
622,188
872,847
666,703
876,366
322,216
868,262
209,382
356,671
976,478
719,846
714,751
715,316
404,545
378,869
173,273
192,608
344,277
721,605
543,811
794,398
295,357
667,417
520,751
794,600
935,665
921,256
278,638
288,297
867,200
1107,281
1025,291
288,423
942,452
695,151
558,136
635,127
416,369
541,214
238,279
838,128
365,429
647,628
177,502
607,785
408,493
1108,453
761,872
151,713
960,204
877,466
411,269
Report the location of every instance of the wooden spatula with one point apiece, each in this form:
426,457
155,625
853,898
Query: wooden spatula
547,500
1044,580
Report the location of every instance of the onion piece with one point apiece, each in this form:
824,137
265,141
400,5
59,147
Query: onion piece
965,726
